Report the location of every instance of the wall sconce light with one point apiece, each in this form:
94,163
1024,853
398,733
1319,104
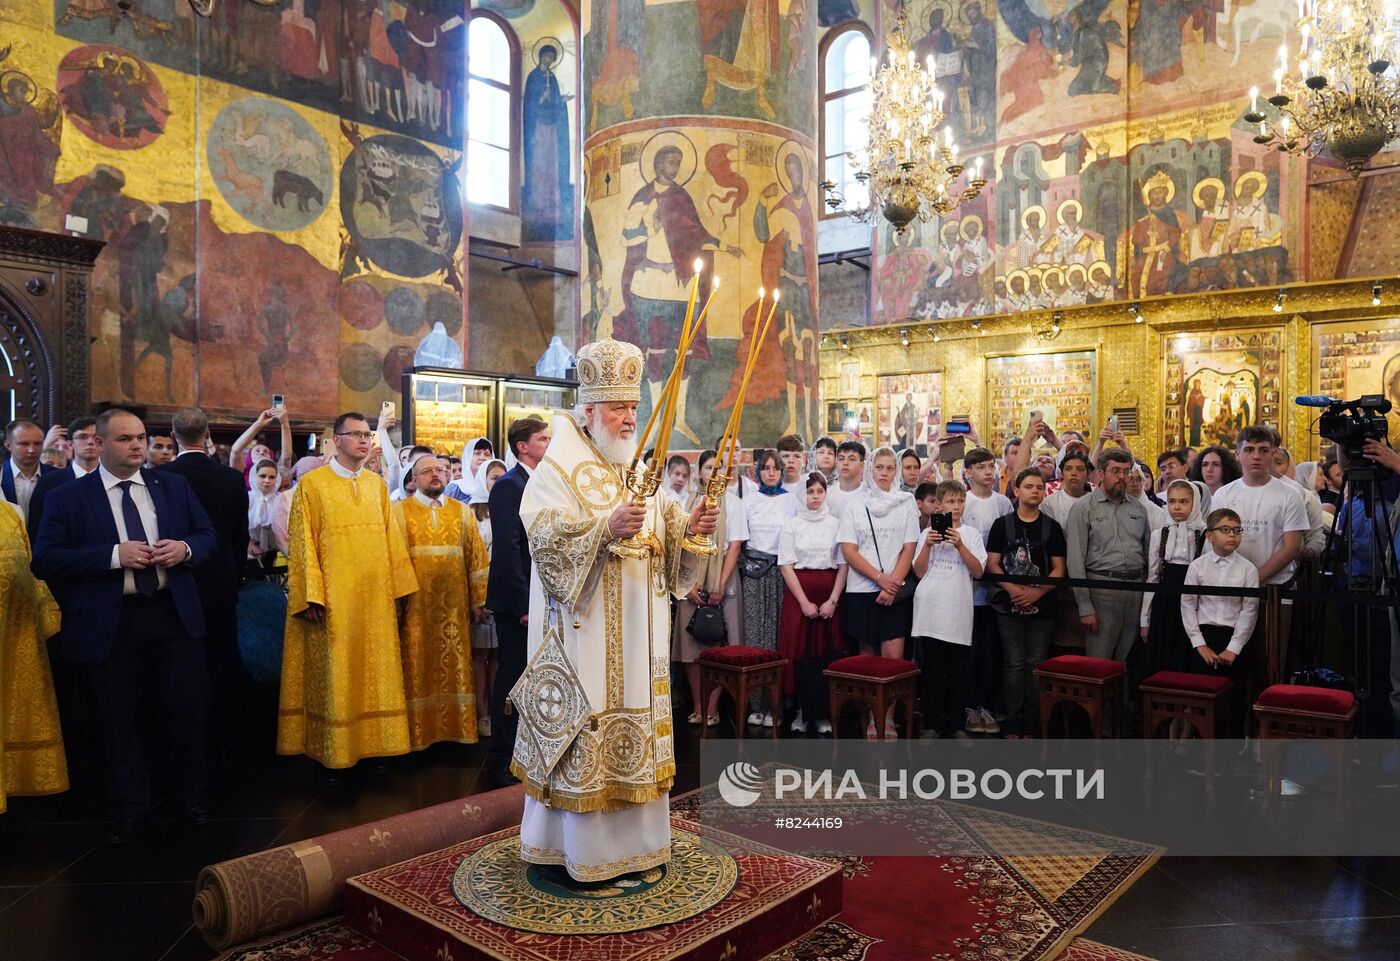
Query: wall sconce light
933,330
1136,311
845,342
824,340
904,337
1279,301
977,326
1376,294
1055,321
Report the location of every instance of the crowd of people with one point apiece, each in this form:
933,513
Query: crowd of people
406,576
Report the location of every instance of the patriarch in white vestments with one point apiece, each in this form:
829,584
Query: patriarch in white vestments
595,744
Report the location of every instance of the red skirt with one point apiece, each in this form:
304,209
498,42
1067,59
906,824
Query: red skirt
800,636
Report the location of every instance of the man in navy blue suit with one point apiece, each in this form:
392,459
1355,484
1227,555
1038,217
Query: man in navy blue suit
19,475
223,494
117,548
508,587
87,449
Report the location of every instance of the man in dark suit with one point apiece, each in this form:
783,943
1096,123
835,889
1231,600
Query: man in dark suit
118,550
508,586
224,497
19,475
87,450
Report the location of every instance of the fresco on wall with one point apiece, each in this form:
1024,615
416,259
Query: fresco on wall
740,201
112,97
401,205
270,165
1122,165
31,136
722,58
546,193
392,65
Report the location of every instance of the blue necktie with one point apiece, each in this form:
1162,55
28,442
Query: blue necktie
147,581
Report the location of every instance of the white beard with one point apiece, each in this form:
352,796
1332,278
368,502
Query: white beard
615,449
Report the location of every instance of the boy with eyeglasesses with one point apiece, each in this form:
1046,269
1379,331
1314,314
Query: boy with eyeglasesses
1219,627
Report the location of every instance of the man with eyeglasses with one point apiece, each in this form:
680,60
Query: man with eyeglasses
1107,534
342,672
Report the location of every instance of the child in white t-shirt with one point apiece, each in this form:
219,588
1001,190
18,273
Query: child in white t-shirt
949,558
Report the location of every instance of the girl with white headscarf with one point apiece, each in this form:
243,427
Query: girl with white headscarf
474,455
1171,549
878,532
484,643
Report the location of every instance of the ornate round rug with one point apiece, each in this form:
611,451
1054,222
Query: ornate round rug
496,884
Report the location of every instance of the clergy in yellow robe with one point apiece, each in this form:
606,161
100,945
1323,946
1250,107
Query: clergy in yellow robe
450,562
342,672
594,746
31,744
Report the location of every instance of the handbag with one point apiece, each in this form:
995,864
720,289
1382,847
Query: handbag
756,564
707,625
911,583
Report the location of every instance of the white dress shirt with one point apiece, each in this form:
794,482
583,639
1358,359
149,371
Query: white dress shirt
1212,570
147,509
78,470
24,490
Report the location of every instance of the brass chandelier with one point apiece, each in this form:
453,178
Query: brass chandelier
1343,95
908,169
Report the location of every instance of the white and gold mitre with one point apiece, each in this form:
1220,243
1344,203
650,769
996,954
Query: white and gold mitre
609,370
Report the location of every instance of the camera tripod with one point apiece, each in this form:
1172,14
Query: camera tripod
1378,575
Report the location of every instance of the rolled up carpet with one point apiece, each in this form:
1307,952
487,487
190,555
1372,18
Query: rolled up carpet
237,900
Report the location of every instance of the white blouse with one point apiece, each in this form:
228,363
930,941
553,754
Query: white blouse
810,545
765,516
896,529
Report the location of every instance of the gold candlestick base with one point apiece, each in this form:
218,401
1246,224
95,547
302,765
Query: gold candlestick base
704,544
643,483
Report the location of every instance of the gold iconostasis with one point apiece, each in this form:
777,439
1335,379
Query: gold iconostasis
1180,371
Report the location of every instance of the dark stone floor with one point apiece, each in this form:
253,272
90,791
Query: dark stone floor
64,897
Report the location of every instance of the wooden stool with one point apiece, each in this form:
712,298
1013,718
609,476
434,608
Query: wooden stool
1300,712
741,670
876,683
1197,699
1093,683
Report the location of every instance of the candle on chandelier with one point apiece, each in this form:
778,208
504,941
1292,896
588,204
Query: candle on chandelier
1253,99
1278,81
977,169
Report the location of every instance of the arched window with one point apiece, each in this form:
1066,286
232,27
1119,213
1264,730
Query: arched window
845,107
491,99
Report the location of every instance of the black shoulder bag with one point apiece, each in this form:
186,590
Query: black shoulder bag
911,583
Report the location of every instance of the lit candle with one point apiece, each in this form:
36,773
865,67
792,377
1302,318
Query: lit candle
947,136
738,415
728,434
1253,99
977,169
1278,81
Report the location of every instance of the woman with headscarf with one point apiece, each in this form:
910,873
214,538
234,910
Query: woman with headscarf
764,516
877,536
1171,549
809,634
484,643
282,508
477,452
1139,483
716,586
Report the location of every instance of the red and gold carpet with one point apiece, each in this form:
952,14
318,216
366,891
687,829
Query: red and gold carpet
959,908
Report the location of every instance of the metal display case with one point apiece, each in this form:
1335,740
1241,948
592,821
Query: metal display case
445,409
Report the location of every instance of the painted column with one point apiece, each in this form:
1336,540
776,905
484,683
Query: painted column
700,143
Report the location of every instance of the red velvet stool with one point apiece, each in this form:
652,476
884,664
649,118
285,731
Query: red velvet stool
1297,711
1197,699
875,683
1093,683
742,670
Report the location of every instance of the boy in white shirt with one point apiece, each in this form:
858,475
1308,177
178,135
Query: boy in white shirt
949,559
850,477
983,508
677,486
1219,627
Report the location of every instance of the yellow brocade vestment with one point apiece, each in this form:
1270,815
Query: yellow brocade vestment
31,744
449,560
342,680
